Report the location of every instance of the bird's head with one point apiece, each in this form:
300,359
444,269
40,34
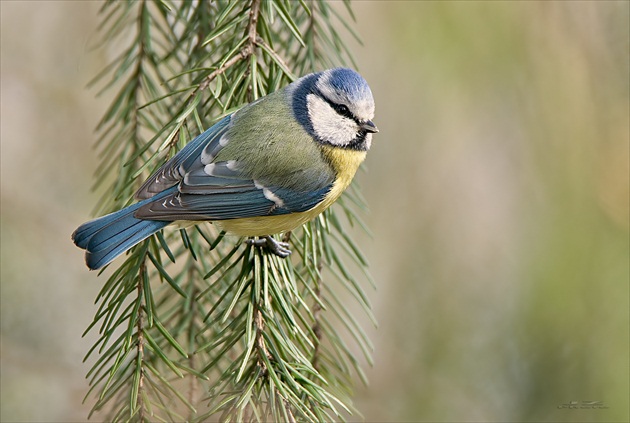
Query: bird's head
336,107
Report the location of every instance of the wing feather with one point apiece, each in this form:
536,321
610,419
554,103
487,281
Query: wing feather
172,172
232,203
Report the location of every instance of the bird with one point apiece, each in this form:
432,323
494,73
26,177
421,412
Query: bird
267,168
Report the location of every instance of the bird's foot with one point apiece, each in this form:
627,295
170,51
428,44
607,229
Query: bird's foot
279,248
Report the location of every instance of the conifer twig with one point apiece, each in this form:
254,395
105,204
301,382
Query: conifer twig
247,50
140,341
317,309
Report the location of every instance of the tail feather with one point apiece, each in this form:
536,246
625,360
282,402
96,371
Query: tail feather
107,237
82,235
109,243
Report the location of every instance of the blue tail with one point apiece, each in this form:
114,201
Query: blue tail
107,237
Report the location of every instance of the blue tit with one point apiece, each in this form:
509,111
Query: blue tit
267,168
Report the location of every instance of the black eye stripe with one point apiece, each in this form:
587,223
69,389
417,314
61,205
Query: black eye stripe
341,109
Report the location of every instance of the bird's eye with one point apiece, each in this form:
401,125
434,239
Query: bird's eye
343,110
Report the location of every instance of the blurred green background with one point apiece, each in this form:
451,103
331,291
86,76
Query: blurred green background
498,189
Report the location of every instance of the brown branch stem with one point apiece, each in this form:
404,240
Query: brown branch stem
287,407
259,322
317,309
140,345
248,49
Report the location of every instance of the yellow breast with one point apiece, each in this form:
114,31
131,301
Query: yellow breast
345,164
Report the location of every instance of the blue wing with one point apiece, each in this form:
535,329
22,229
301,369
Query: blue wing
208,197
209,190
208,143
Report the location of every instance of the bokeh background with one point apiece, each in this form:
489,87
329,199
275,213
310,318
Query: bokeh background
498,189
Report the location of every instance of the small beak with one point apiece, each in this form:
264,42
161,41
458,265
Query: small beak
368,126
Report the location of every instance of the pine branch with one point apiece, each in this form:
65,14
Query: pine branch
193,324
247,50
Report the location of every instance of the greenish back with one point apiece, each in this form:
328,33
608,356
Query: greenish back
272,148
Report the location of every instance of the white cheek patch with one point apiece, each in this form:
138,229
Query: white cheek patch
328,124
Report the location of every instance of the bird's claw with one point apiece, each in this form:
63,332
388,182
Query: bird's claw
279,248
